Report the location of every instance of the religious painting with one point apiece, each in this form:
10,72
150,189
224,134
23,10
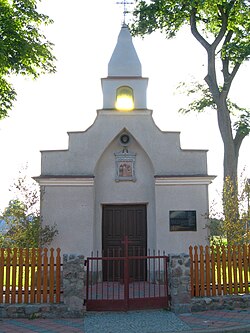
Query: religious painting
125,165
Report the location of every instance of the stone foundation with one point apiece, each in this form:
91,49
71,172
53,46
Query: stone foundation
33,311
73,282
179,283
228,302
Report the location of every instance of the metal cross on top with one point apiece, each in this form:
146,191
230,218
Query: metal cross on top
125,10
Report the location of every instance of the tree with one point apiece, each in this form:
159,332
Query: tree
232,225
23,47
22,217
222,27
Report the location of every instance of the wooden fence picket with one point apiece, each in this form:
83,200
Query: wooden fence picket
26,276
235,284
207,262
218,261
246,268
58,275
213,271
229,270
224,267
51,276
14,272
1,274
39,275
20,277
196,270
240,270
45,275
7,277
249,254
32,276
191,270
202,278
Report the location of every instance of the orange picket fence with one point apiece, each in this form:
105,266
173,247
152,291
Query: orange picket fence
30,276
220,270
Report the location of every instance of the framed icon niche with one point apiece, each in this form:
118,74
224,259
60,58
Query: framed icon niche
125,166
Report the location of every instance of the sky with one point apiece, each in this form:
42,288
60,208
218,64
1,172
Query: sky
85,34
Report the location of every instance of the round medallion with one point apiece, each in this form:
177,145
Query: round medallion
124,139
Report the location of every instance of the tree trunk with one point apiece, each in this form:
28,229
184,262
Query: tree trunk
230,155
230,187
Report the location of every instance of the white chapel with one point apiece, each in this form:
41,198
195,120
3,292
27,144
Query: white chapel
123,176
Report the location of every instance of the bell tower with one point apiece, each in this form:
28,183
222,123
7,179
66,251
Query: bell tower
124,89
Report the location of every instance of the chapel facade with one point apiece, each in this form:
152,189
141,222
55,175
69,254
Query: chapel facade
123,176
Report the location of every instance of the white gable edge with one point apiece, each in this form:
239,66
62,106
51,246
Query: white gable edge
183,180
65,181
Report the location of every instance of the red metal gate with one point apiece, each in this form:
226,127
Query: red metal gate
126,282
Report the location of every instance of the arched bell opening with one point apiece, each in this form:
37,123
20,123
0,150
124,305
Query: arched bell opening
124,98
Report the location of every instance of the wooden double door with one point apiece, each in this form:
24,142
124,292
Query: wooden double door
120,221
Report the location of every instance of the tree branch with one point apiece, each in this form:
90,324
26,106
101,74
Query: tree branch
239,137
223,29
195,31
210,78
228,81
225,61
234,71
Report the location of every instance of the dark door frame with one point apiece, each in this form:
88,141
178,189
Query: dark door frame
143,206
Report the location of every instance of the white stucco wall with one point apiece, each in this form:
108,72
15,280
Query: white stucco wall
181,197
71,208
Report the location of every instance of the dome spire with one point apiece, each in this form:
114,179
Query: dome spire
124,60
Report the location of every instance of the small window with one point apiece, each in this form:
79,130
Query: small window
182,220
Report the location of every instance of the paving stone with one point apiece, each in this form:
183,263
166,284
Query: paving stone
154,321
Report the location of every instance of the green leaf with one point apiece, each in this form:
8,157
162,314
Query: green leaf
25,228
23,47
